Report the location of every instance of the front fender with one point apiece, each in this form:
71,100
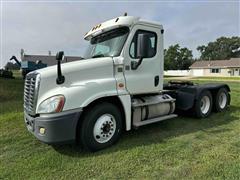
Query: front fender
85,81
81,94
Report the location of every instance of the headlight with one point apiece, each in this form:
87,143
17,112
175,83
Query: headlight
52,105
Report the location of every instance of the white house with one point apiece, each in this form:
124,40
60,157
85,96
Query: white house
216,68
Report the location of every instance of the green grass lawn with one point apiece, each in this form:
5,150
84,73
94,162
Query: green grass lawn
175,149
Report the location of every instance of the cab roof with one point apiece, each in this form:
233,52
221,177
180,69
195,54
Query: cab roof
116,23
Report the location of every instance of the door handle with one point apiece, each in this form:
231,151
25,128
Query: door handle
156,81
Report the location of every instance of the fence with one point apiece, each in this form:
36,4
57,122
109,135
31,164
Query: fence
177,73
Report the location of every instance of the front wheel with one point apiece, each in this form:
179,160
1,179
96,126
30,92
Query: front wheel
203,106
101,127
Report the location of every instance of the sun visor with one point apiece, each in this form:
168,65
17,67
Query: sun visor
111,24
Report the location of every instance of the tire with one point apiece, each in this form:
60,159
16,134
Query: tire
222,100
203,106
101,127
24,73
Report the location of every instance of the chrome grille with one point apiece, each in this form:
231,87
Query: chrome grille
30,92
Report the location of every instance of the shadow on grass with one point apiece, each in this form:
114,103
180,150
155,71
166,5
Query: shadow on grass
159,133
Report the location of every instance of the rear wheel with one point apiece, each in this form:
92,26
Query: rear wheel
101,127
203,106
221,100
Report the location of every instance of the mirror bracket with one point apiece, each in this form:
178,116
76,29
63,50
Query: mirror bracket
60,80
135,64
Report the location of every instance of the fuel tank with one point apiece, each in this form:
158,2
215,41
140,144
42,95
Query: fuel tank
148,107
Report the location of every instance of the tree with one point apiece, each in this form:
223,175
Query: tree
12,66
222,48
177,58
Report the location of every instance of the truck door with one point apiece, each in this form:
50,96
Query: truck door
148,77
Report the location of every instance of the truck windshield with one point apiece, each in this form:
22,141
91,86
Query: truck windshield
107,44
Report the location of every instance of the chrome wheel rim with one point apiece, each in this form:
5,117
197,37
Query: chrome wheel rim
205,104
104,128
222,100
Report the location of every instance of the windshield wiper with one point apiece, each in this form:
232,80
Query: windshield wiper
98,55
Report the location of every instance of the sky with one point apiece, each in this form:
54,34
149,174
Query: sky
40,26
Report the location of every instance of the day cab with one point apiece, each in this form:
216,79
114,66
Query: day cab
118,86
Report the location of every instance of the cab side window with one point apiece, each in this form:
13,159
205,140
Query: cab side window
152,44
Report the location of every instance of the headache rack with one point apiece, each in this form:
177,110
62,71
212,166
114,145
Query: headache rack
31,87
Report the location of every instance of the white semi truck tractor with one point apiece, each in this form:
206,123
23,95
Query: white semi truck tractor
117,87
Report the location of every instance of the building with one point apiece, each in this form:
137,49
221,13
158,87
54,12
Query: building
216,68
49,59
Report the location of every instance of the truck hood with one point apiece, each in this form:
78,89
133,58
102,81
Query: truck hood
72,70
82,78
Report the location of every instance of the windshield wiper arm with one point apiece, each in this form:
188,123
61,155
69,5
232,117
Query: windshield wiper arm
98,55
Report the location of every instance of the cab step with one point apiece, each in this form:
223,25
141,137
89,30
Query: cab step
153,120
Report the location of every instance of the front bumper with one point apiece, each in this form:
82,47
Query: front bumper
59,128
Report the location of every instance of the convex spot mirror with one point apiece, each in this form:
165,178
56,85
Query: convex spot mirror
59,56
